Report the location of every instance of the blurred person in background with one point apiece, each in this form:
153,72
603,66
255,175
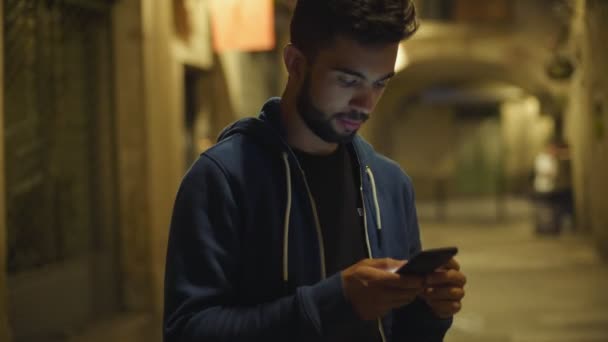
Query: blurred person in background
291,226
553,188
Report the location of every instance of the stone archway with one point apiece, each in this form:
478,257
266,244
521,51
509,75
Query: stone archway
441,53
421,75
455,71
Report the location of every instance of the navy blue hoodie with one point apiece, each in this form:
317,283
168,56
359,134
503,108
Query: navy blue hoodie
245,260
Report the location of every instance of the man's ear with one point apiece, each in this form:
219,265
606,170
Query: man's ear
295,62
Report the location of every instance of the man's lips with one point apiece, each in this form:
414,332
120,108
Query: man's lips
351,125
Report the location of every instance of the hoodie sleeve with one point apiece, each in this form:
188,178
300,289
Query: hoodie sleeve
416,321
201,268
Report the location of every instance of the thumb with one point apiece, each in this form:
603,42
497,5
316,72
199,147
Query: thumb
387,264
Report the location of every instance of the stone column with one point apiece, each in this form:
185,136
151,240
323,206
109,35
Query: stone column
587,119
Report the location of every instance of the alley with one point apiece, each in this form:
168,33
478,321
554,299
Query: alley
523,287
106,106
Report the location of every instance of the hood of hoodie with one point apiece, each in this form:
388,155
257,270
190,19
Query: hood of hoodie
266,128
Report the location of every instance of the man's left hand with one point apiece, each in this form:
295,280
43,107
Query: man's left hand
445,290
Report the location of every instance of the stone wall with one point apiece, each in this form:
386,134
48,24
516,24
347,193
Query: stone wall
587,117
4,329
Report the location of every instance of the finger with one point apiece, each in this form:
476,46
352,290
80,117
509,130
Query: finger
404,282
400,299
452,265
389,279
397,294
444,293
450,277
397,303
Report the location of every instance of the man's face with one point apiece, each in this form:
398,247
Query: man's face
343,86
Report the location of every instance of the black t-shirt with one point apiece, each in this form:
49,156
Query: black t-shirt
334,183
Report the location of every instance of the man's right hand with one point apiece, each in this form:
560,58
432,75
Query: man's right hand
373,288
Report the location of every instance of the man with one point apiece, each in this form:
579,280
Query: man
290,227
552,187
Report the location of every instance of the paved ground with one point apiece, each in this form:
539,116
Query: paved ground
523,287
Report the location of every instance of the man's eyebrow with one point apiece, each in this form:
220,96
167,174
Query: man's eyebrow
360,75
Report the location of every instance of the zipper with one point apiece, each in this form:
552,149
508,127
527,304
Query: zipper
369,248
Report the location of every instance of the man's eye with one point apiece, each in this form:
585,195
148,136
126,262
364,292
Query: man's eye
381,84
347,82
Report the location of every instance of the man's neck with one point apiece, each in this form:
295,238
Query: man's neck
299,135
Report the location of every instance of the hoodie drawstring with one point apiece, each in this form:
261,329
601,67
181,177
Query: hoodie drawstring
372,180
375,194
286,222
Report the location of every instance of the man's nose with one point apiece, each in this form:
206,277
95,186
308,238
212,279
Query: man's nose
364,101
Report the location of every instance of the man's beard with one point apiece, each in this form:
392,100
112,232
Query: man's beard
319,122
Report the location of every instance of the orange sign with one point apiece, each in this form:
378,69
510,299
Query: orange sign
242,25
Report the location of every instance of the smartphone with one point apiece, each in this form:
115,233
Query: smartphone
428,261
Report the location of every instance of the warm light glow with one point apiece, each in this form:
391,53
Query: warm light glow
242,25
532,106
204,144
402,59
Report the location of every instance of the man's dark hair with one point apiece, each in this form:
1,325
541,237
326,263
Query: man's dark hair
316,23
